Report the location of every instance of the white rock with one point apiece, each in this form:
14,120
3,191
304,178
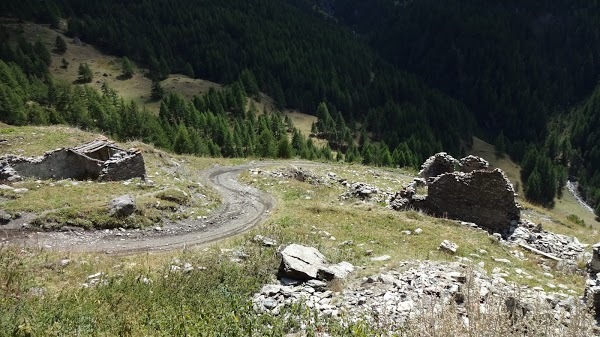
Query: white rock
381,258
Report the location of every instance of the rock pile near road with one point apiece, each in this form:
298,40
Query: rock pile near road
360,191
296,173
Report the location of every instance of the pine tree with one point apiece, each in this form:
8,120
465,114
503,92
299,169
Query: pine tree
183,142
61,45
128,70
249,82
533,189
266,146
156,91
500,145
284,148
386,157
42,53
85,73
64,64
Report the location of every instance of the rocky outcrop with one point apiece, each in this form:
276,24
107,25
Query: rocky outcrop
437,164
307,263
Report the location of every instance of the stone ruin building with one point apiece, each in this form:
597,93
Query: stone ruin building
98,160
463,190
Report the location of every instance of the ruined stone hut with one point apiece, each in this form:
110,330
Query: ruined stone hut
99,159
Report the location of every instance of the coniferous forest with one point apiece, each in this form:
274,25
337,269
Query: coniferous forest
391,82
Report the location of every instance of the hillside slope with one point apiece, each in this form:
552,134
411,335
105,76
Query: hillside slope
90,293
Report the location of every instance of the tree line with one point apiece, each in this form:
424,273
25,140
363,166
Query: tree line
289,53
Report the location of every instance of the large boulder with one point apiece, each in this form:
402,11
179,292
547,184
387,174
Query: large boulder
437,164
483,197
122,206
300,262
307,263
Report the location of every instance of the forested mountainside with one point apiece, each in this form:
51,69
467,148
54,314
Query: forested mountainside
519,66
295,57
585,134
513,63
509,70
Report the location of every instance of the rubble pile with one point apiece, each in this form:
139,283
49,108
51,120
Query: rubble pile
558,245
388,299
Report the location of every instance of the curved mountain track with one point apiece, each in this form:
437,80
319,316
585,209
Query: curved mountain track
242,208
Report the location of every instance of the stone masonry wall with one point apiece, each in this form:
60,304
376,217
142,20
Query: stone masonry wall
485,198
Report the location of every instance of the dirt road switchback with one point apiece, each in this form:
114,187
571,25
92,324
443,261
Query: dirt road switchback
242,208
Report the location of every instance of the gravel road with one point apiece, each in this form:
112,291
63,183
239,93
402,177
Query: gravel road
242,208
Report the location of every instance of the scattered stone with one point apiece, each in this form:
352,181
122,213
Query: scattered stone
387,300
381,258
516,309
122,206
505,261
265,241
550,245
361,191
448,246
4,217
418,231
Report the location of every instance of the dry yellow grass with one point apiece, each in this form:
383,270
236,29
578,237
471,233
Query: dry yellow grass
107,68
303,122
487,152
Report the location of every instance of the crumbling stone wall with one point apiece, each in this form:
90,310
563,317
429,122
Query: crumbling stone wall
592,284
58,164
437,164
471,163
477,195
124,165
485,198
77,163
